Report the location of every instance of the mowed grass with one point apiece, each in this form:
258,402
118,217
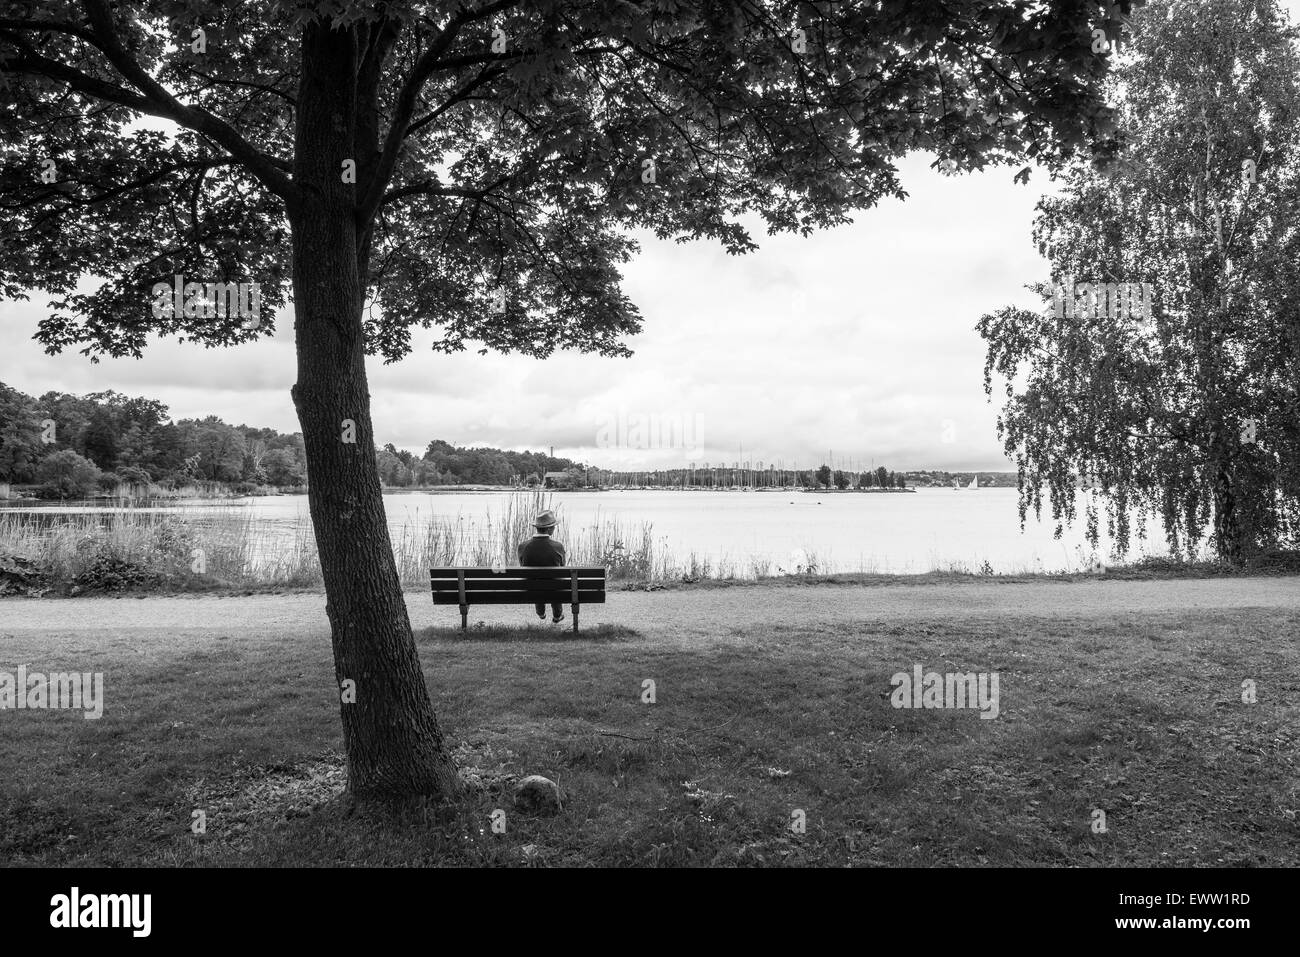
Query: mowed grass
1138,716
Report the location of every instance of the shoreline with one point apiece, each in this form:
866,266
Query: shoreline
222,549
146,501
837,581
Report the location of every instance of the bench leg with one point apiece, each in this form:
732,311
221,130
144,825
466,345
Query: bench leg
464,617
575,616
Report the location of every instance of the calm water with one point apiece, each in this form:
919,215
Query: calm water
902,533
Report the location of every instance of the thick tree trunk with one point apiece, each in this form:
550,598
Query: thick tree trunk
1227,523
394,745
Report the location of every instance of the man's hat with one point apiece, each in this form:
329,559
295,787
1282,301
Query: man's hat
545,520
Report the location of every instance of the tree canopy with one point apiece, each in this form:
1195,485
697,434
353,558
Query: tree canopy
1192,415
501,150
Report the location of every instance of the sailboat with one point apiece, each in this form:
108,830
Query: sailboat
974,482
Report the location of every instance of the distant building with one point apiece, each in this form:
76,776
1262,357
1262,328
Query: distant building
552,479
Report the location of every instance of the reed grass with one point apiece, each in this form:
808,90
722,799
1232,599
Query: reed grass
228,546
109,548
628,551
113,547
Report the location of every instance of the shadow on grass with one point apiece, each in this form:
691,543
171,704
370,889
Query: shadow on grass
484,632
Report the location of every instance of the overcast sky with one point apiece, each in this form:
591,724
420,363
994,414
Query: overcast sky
859,340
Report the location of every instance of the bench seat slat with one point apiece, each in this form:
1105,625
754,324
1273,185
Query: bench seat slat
471,594
519,581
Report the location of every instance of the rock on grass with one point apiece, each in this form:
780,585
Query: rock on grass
537,795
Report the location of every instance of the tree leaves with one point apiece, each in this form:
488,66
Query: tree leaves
1163,413
521,169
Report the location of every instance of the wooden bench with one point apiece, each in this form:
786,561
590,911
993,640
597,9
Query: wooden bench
517,586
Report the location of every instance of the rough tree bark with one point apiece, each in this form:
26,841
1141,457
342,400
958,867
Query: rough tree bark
1228,538
394,745
1227,526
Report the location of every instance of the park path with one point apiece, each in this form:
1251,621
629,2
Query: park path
682,612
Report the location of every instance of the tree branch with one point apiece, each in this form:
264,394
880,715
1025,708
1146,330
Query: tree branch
406,103
432,188
194,118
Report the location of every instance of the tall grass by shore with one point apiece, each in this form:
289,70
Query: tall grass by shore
229,547
118,548
110,548
115,548
627,550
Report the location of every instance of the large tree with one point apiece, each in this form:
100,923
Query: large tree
1194,415
474,168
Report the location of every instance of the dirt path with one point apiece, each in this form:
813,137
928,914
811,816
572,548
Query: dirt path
680,612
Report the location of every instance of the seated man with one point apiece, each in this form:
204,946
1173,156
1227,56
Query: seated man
544,552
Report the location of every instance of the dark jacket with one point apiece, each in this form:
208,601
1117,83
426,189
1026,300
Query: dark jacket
541,551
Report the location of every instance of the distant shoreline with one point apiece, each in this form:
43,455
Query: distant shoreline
648,488
15,496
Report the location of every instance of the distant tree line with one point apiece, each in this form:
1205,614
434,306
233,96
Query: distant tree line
881,477
939,477
742,475
69,446
447,464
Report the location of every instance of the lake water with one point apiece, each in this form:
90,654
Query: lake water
907,533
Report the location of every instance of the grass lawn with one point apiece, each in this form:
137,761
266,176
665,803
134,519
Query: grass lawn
1140,716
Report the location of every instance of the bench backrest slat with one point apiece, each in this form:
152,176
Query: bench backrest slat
518,584
473,574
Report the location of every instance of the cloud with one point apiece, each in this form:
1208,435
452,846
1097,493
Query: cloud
859,339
